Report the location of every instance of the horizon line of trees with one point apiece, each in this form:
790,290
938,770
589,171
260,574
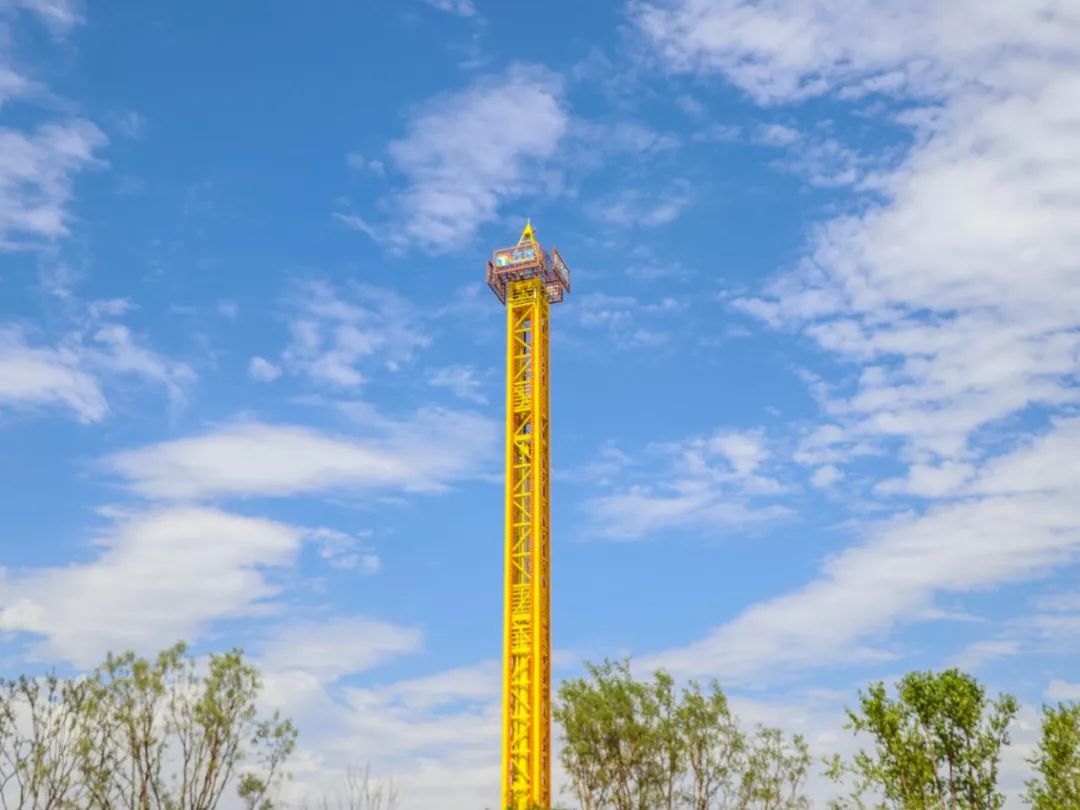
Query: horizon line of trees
173,733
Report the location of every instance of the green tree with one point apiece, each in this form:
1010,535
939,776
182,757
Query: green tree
620,747
43,743
641,745
715,749
775,773
936,745
1057,761
141,734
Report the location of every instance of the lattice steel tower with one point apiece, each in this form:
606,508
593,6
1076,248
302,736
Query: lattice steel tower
527,279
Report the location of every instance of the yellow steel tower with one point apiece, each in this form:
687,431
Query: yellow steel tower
526,278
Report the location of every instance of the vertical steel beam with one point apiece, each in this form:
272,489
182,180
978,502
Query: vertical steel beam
526,755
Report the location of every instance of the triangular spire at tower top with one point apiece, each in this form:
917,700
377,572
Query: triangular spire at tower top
527,235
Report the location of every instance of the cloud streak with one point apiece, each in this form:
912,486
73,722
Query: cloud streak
467,154
952,292
159,576
421,454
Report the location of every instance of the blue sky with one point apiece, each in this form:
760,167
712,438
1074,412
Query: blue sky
815,389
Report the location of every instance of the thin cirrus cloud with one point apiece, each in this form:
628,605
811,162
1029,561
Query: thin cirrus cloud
421,453
466,154
438,733
38,166
713,483
462,8
72,373
338,332
35,376
955,293
958,293
338,646
1009,527
158,576
37,171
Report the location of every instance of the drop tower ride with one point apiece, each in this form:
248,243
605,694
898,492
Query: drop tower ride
527,279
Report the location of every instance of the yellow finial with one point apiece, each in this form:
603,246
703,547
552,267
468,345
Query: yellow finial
527,235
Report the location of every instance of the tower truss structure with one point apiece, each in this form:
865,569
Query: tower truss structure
527,279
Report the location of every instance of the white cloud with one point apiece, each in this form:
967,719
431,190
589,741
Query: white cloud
351,552
958,292
744,451
468,153
953,292
824,477
791,49
358,223
978,653
462,8
131,125
823,160
59,15
159,576
337,646
117,351
1059,602
37,172
634,208
72,373
335,332
259,368
622,138
12,84
628,322
423,452
44,375
929,480
1063,691
1014,529
357,162
437,736
461,380
711,482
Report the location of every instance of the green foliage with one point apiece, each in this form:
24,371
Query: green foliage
937,745
43,742
641,745
140,734
714,748
775,773
1057,761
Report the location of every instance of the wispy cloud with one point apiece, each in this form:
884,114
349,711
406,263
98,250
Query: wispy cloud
261,369
461,380
73,372
1014,528
337,331
952,292
59,15
36,375
628,322
791,50
715,481
634,208
422,452
1062,691
158,576
468,153
337,646
437,735
462,8
37,171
